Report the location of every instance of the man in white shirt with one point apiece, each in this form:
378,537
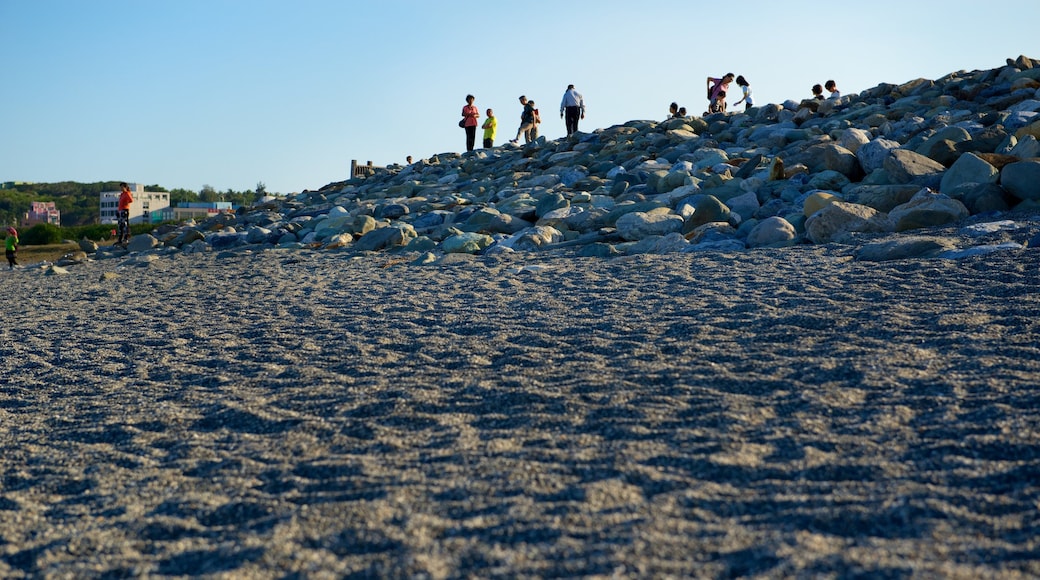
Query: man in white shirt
573,107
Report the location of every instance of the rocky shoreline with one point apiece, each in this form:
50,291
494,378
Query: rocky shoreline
895,158
812,352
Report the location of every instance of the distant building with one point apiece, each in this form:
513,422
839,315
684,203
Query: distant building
197,210
41,212
147,207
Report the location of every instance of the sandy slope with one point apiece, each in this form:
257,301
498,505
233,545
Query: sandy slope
775,412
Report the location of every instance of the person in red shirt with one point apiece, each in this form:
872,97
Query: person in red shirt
123,213
470,114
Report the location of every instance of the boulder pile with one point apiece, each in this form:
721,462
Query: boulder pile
894,158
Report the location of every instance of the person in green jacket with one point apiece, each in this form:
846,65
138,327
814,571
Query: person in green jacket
490,129
12,247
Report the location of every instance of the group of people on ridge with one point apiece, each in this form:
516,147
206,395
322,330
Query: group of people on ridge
718,88
572,109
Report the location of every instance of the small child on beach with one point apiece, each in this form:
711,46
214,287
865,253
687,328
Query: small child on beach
11,245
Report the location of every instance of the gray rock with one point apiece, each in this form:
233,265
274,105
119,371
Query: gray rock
1022,179
927,209
904,249
981,197
708,209
392,211
638,225
550,203
88,246
258,235
872,155
772,232
853,138
833,157
839,219
908,167
536,237
969,168
881,197
384,238
952,134
142,243
466,243
1026,148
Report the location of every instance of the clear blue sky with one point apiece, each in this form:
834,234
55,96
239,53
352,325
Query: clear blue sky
229,93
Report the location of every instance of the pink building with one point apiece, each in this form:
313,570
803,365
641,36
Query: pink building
42,212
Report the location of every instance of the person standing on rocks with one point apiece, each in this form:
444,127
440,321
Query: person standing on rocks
11,245
470,114
715,86
527,122
490,129
123,213
747,99
573,107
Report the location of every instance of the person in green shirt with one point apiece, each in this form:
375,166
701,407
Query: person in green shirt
490,129
12,247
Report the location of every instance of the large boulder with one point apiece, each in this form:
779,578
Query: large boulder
818,200
638,225
745,205
466,243
382,238
905,166
839,219
881,197
952,134
927,209
772,232
852,139
981,197
536,237
970,168
1026,148
1022,179
707,209
904,248
141,243
830,156
872,155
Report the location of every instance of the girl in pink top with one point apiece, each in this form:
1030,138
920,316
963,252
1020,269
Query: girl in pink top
470,114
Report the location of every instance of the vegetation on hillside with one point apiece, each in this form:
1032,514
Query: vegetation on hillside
79,202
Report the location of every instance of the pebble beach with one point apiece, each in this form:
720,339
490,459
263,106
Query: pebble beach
797,342
779,413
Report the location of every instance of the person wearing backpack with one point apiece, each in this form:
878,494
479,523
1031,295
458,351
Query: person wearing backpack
528,122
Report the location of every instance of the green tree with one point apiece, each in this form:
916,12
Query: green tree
178,196
208,194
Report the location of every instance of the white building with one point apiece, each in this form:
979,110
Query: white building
146,205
